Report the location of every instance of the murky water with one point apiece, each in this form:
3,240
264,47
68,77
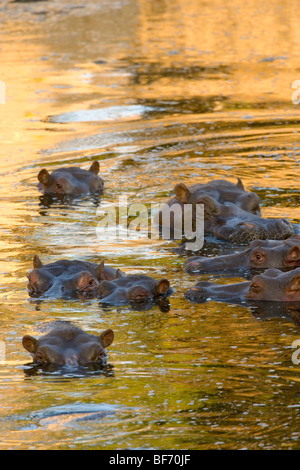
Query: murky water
159,92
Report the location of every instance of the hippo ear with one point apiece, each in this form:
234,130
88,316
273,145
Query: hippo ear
44,177
240,184
95,167
294,285
294,253
118,274
162,286
182,192
107,338
100,271
29,343
37,262
211,207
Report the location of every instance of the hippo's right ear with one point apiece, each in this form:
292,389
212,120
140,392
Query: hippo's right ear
182,193
95,168
37,262
29,343
162,286
107,338
44,177
240,184
118,274
294,285
294,254
100,271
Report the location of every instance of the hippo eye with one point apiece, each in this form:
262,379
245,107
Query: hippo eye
100,357
39,358
58,185
258,257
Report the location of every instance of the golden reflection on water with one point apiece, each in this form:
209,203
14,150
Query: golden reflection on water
197,90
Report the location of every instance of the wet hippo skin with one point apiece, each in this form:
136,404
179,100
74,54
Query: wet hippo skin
136,288
261,254
68,279
273,285
66,344
230,212
71,181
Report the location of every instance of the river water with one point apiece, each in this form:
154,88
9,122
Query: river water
160,92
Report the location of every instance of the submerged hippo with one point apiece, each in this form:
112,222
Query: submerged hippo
260,254
68,279
273,286
230,212
66,344
71,181
135,288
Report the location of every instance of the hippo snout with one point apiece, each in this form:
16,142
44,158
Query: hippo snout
193,266
72,360
196,294
272,229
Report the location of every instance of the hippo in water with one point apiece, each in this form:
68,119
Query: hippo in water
68,279
133,289
67,345
273,285
71,181
260,254
230,212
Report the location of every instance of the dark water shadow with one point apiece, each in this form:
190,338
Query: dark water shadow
162,303
48,200
54,370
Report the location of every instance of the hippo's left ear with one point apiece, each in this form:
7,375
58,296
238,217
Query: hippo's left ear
29,343
182,193
162,286
107,338
95,167
294,285
44,177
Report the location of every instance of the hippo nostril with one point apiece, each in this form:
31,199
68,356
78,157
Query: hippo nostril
246,224
71,361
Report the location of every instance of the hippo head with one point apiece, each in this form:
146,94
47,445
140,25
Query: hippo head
276,286
136,288
71,181
69,346
273,253
236,220
68,278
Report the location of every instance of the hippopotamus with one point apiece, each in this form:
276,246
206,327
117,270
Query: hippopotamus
66,344
68,278
273,285
230,212
260,254
71,181
133,289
